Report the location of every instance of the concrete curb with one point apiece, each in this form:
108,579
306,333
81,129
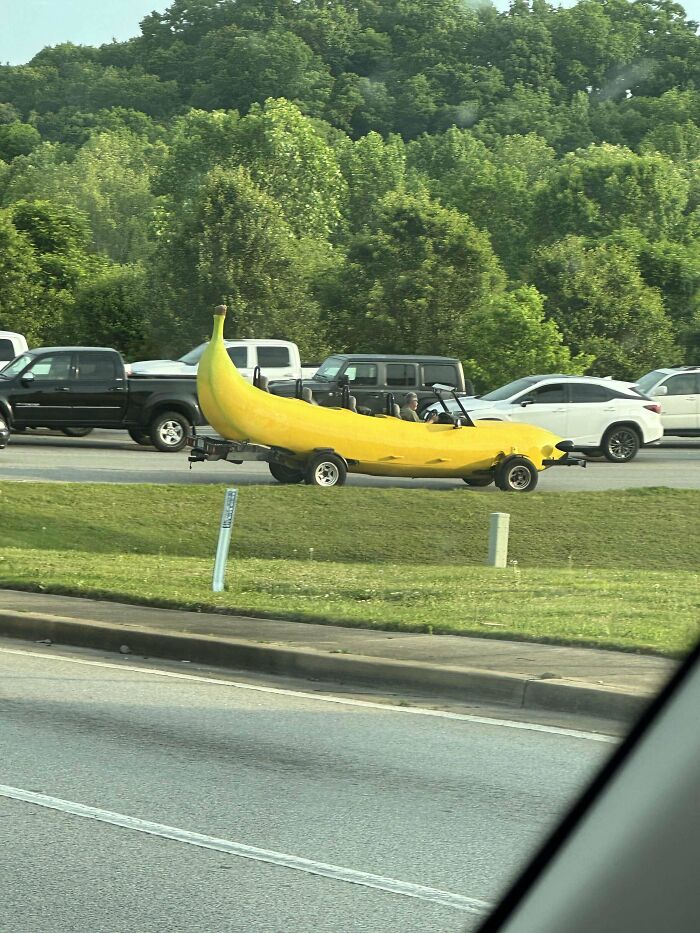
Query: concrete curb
469,685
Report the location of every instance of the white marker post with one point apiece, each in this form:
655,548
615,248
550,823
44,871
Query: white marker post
227,516
498,539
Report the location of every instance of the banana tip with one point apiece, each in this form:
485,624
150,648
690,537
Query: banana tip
220,311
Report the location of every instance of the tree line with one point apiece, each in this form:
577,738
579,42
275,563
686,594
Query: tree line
518,189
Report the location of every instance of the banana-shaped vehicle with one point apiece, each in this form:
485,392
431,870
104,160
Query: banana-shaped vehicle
306,442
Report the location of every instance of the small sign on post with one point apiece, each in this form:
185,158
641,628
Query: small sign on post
498,539
227,517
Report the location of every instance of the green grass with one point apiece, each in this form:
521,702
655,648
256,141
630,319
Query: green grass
640,528
613,569
653,612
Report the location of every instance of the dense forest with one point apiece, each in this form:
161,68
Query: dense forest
520,189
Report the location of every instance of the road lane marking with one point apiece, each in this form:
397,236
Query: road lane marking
320,698
280,859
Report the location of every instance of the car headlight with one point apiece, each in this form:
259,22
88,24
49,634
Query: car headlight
2,424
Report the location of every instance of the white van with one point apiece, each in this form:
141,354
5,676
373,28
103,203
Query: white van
277,359
11,345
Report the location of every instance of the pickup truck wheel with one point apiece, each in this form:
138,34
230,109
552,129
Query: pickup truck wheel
285,474
140,437
516,474
77,432
169,431
477,480
326,470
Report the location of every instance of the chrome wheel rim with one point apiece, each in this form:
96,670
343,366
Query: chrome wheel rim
171,433
622,444
326,474
519,478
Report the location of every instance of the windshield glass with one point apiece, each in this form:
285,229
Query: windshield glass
16,366
329,369
193,356
508,391
649,381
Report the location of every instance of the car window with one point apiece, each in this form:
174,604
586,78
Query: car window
400,374
362,374
508,391
546,395
273,357
96,367
53,367
582,392
194,356
443,373
238,356
16,366
683,384
7,349
649,380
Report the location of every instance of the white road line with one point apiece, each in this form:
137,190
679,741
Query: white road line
320,698
281,859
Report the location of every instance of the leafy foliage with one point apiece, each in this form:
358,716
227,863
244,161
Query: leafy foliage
521,188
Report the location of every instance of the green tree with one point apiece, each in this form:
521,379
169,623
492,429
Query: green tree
371,168
17,139
413,282
20,292
235,246
114,308
599,190
512,337
603,307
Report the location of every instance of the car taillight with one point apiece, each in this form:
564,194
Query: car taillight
655,408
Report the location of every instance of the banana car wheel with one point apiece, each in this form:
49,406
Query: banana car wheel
285,474
516,474
326,470
477,480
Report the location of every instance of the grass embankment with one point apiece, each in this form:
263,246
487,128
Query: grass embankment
614,569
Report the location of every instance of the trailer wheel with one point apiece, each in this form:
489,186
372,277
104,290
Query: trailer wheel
285,474
326,470
516,474
169,431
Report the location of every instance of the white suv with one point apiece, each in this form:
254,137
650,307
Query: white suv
678,391
601,416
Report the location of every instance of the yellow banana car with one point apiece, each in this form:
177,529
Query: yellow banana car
306,442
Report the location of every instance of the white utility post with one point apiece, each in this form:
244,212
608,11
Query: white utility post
498,539
227,516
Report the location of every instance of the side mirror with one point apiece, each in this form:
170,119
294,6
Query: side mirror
526,401
343,381
27,379
660,390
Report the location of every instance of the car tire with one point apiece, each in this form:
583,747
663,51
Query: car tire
169,430
620,443
478,480
77,432
325,470
140,437
286,475
516,474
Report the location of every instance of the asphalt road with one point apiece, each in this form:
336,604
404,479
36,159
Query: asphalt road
111,457
411,801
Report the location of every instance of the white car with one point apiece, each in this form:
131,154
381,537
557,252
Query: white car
678,391
600,416
277,359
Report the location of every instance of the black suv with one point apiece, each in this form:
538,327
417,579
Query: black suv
374,378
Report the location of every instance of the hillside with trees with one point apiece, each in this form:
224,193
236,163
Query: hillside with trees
520,189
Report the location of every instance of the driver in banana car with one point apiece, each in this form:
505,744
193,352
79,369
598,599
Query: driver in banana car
409,410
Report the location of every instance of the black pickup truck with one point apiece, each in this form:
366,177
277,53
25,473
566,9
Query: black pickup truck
377,379
75,389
